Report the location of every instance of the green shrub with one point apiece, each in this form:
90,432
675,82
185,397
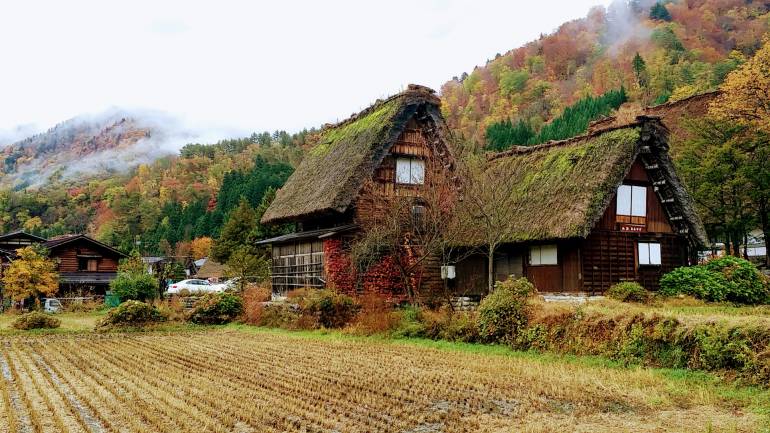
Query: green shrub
36,320
131,313
411,323
504,312
628,291
331,309
134,286
724,279
696,281
745,284
216,309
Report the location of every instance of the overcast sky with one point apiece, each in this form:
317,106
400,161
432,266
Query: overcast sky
249,65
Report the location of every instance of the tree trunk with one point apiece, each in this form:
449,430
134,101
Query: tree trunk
491,269
764,222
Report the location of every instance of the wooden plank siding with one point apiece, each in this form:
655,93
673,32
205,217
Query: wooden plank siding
67,257
607,256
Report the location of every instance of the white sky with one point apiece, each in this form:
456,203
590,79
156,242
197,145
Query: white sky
249,65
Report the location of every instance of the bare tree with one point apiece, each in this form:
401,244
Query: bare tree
414,226
486,211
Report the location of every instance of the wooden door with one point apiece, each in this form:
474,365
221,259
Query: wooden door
546,278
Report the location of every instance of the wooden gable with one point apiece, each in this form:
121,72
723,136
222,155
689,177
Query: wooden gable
655,221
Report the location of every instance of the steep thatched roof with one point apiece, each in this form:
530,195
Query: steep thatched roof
331,174
561,189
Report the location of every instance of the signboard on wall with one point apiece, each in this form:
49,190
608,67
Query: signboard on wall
632,228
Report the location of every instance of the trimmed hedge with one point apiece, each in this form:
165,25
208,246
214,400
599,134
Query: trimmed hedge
36,320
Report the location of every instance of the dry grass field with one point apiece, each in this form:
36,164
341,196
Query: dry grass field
253,380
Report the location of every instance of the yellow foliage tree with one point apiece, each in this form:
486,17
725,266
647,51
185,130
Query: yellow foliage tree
746,93
201,247
32,274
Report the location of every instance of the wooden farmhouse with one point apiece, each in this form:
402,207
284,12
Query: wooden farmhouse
390,149
590,212
586,212
83,263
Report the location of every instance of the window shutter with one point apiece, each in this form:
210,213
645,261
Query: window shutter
418,171
403,170
639,201
644,253
548,255
624,200
655,258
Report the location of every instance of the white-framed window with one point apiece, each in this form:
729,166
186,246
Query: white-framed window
543,255
649,253
410,170
632,200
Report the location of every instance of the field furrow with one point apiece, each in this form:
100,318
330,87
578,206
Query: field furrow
231,381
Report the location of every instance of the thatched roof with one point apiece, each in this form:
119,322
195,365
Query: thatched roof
331,174
561,189
211,269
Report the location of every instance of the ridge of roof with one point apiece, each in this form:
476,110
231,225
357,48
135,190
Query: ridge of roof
412,90
520,150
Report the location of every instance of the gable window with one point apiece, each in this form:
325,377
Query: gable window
410,171
649,254
87,264
540,255
632,201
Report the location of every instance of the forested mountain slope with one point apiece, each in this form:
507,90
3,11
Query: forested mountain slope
87,145
655,51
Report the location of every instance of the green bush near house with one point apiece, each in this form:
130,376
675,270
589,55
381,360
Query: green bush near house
36,320
724,279
628,291
505,311
216,309
134,286
744,283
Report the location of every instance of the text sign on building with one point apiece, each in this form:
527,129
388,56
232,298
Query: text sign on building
631,228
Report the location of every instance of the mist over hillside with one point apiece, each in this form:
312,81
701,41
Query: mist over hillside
97,145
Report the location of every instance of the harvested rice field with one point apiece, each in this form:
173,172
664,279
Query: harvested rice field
253,380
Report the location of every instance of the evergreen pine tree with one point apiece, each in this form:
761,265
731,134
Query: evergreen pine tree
659,12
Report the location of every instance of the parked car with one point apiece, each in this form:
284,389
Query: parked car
52,305
229,285
194,286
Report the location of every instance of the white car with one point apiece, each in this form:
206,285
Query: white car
195,286
52,305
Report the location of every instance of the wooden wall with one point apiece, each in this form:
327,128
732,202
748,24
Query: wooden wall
67,256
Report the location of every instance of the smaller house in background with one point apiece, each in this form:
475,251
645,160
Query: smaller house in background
12,241
83,263
210,270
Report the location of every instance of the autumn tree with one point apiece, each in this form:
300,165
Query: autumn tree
201,247
745,97
32,274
